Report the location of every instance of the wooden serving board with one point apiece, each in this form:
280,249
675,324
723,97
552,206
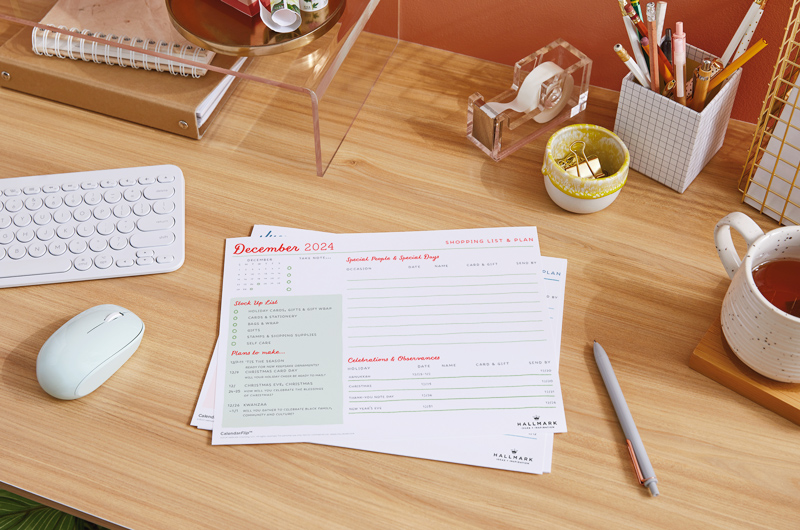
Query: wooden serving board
715,359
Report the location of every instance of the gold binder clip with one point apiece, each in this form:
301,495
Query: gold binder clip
580,165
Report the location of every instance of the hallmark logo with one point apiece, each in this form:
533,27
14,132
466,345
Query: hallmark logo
513,457
537,423
269,234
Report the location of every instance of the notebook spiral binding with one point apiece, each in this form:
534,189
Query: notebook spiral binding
53,44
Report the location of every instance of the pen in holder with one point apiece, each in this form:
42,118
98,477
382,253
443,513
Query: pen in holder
549,87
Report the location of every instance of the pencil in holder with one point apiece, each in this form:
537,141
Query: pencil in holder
548,87
669,142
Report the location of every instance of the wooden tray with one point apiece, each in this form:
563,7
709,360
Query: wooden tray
714,358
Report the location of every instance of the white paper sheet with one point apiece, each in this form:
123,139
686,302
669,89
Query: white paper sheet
527,454
371,336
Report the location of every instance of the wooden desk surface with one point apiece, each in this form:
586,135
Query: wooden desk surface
643,278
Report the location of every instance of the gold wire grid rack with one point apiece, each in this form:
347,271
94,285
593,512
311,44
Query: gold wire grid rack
769,181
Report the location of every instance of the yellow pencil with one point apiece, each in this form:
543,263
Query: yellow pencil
735,65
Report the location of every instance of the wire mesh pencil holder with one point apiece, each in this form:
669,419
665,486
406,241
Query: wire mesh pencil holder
769,180
549,86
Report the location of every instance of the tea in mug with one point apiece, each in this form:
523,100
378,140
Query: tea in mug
779,282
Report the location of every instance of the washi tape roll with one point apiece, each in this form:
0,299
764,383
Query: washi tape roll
281,16
313,5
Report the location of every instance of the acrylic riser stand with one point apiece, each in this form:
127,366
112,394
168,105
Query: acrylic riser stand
302,100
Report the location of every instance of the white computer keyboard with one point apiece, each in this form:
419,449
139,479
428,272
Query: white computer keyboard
91,225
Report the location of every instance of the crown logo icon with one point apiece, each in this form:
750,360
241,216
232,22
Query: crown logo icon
536,417
513,451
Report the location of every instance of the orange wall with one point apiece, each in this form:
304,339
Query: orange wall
509,30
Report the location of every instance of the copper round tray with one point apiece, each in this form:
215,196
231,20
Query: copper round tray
218,27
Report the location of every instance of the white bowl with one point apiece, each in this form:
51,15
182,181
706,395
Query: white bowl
585,195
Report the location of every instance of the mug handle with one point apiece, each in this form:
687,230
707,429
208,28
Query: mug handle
722,239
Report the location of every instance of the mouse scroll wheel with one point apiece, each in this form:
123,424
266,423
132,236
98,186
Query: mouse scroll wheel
112,316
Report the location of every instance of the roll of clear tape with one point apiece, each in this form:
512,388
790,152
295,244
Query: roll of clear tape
529,94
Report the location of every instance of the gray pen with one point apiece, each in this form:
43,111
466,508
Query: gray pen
641,464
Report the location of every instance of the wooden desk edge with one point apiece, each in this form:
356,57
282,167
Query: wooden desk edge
61,507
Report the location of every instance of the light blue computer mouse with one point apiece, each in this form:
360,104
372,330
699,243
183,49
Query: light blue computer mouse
83,353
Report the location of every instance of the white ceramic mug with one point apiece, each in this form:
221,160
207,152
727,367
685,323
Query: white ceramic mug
765,338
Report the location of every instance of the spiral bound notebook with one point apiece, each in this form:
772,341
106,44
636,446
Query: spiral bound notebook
140,23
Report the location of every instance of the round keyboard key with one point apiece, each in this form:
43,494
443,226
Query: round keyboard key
159,191
144,261
62,216
147,179
112,196
166,178
22,219
5,221
108,183
72,199
89,185
141,209
126,226
25,235
127,181
16,251
14,205
33,203
163,207
37,250
98,244
132,195
165,259
125,262
53,201
42,218
13,192
70,186
82,214
122,210
85,229
65,231
103,261
102,212
6,237
92,198
77,246
51,188
2,253
118,242
83,263
45,233
56,248
31,190
105,228
145,252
